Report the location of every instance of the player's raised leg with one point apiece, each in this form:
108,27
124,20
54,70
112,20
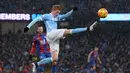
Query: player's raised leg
55,35
78,30
41,62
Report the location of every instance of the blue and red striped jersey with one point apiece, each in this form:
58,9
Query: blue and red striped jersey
40,44
94,55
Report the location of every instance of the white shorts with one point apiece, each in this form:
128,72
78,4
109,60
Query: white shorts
53,38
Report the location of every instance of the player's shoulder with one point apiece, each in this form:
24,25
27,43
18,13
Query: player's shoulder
46,14
92,51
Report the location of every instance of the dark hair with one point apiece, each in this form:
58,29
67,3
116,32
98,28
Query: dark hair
97,45
56,7
39,26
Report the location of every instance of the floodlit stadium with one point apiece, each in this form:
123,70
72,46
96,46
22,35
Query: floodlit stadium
64,36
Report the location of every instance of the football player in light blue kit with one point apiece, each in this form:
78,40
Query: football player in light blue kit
54,34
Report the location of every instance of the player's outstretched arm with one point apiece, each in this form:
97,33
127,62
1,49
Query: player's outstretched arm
32,23
89,56
32,49
99,60
68,13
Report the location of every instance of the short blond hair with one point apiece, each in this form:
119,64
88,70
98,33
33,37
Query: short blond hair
56,7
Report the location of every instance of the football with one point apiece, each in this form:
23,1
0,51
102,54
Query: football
102,13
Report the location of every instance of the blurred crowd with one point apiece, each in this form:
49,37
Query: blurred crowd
25,6
114,52
13,53
41,6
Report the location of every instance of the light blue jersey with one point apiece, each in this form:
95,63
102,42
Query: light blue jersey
50,21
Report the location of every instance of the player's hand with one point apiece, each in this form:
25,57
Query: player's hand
26,29
75,8
30,57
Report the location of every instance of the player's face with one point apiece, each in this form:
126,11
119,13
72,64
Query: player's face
40,30
55,12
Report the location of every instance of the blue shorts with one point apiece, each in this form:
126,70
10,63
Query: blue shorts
42,56
92,62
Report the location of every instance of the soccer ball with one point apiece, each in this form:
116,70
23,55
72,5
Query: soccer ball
102,12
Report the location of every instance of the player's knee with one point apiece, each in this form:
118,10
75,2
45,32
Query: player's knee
67,32
54,56
54,62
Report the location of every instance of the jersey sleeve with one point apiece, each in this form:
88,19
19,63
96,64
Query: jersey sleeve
41,18
63,16
91,53
33,22
33,47
44,17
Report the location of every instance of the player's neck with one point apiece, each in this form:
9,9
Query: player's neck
53,14
39,33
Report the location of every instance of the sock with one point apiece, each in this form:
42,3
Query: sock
44,61
40,69
78,30
36,65
53,68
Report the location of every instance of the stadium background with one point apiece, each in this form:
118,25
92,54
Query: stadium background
113,37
